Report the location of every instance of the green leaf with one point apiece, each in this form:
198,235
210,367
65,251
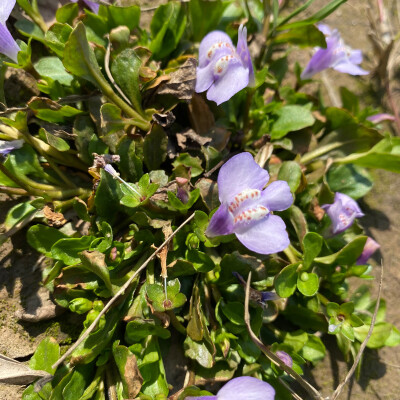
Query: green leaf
314,350
127,16
285,281
67,250
291,118
308,283
29,29
162,301
55,141
155,147
194,163
347,255
67,13
79,57
205,16
137,330
43,237
56,37
349,179
53,68
167,27
94,261
125,70
81,377
234,311
199,352
50,111
128,370
380,334
18,213
290,172
384,155
312,245
80,305
308,35
201,261
296,340
46,354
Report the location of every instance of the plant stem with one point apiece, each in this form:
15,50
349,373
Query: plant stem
289,254
308,157
176,323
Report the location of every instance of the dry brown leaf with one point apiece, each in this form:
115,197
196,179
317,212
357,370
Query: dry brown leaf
13,372
56,219
182,81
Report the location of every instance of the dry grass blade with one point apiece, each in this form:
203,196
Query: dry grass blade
118,294
272,356
339,389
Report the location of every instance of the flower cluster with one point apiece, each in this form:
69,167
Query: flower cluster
337,55
245,208
8,46
223,70
242,388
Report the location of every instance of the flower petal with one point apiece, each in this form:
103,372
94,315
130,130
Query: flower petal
246,388
370,248
205,75
221,222
265,236
202,398
239,173
6,146
208,41
93,6
244,53
6,6
347,67
277,196
235,79
377,118
8,46
349,204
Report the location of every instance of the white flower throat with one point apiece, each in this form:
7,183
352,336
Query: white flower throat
253,212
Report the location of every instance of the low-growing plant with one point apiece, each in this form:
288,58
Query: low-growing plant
136,131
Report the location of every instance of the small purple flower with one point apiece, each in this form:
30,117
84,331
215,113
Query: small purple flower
8,46
6,146
242,388
223,70
337,55
245,208
377,118
91,4
342,212
285,358
370,248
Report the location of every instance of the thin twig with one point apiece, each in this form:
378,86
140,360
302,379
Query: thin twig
339,389
272,356
294,394
108,72
118,294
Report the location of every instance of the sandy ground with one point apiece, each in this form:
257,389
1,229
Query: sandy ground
20,287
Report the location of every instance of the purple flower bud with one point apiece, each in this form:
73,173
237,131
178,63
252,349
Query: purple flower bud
223,70
285,358
377,118
245,208
370,248
91,4
342,212
8,46
8,146
337,55
242,388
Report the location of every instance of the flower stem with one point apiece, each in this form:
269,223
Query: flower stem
289,254
176,323
308,157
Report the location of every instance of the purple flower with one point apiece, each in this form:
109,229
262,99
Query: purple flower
6,146
223,70
377,118
91,4
285,358
8,46
337,55
342,212
370,248
245,208
242,388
